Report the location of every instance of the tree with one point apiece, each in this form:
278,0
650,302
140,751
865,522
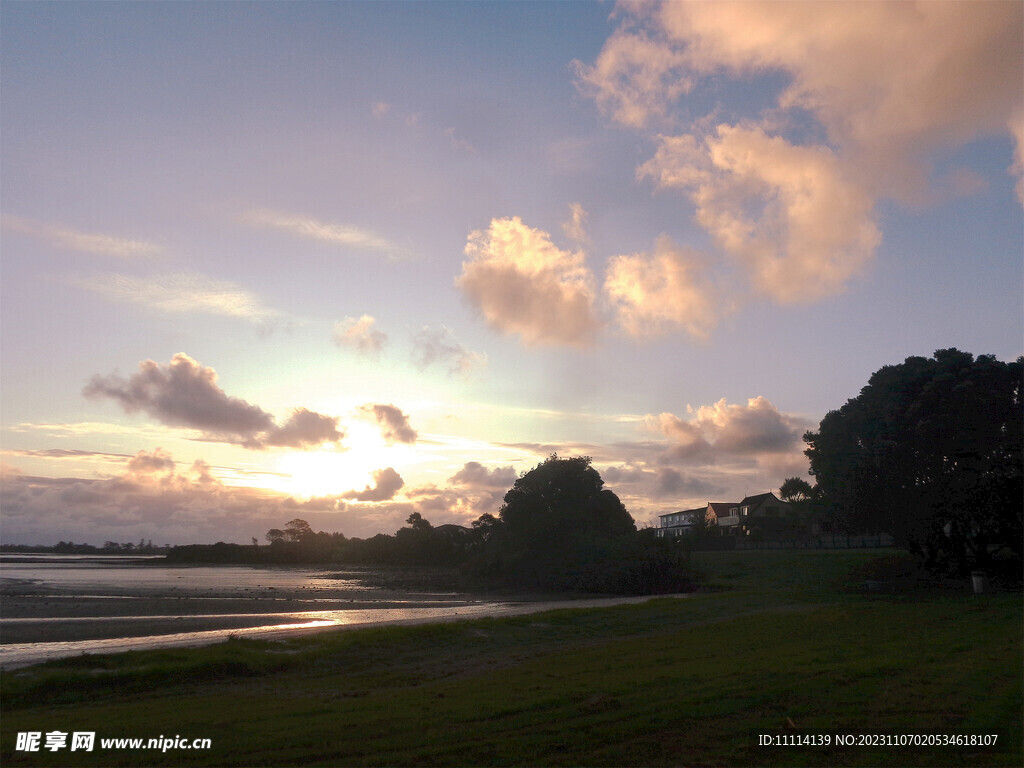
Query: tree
297,530
930,452
275,536
561,503
795,490
417,522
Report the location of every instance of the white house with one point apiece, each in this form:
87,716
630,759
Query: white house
730,517
678,523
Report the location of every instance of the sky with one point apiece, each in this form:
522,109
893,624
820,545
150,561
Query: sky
346,261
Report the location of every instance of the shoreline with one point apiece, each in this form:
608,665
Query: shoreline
72,606
15,655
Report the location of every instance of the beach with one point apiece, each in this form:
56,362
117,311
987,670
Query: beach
55,608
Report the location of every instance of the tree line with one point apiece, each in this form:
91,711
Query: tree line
558,529
929,453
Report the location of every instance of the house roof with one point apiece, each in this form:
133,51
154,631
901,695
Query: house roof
753,501
698,511
722,507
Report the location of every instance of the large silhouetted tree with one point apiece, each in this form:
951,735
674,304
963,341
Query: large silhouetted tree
930,452
558,528
559,504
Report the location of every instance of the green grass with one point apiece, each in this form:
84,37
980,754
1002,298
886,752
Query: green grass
670,682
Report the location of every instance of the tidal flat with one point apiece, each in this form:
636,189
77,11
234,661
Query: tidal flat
58,606
778,643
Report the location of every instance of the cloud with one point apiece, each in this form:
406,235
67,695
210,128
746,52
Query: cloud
87,242
688,439
876,96
144,463
185,394
338,234
787,212
575,227
304,428
669,289
67,453
721,430
386,483
475,475
157,501
360,335
524,285
459,505
635,77
394,424
438,345
181,293
640,485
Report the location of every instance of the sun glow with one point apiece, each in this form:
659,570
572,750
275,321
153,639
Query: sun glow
333,470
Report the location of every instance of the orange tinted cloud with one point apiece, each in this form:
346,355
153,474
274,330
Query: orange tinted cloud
789,213
663,291
360,335
524,285
889,89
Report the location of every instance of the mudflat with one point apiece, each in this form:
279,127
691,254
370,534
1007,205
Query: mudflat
35,614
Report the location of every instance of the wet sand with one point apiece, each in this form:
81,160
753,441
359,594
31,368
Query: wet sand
31,640
45,620
29,615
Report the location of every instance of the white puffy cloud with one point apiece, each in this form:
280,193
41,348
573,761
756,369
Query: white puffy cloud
891,82
877,95
757,427
663,291
185,394
524,285
360,335
788,212
723,431
636,77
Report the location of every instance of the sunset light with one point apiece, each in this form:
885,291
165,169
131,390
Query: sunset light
512,383
350,261
336,471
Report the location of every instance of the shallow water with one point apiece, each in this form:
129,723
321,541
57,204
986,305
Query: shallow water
13,655
113,575
73,605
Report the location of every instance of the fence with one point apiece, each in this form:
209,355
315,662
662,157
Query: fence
827,541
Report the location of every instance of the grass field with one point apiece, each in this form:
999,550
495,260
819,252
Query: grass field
782,643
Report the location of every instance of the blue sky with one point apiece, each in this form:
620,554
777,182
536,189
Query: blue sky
347,261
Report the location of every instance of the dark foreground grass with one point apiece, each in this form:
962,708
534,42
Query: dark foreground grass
785,643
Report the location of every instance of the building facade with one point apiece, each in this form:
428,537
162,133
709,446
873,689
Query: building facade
730,518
